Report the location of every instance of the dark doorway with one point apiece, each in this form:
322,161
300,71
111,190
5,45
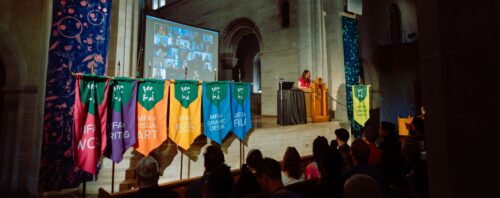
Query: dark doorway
285,14
247,68
395,24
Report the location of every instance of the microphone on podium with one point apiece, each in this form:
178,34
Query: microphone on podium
280,78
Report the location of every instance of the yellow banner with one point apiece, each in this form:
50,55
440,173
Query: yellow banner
151,115
361,103
185,112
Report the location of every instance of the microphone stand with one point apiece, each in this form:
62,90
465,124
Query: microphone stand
281,117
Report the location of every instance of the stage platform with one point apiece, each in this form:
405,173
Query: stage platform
271,138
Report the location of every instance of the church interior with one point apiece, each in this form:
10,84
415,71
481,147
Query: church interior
431,59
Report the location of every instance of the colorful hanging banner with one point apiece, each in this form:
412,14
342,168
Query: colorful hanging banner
151,115
122,128
361,103
79,39
185,112
89,120
216,110
241,112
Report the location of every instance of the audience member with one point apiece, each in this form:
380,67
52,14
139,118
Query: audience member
392,164
213,158
147,175
292,171
247,184
361,186
269,177
330,184
344,149
254,157
334,144
219,182
417,131
370,136
417,175
319,145
360,152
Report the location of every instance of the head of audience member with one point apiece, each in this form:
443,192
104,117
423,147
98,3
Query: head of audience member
411,149
370,135
417,126
247,184
334,144
319,145
387,131
361,186
219,182
291,163
342,136
360,152
254,157
269,175
147,172
213,157
330,165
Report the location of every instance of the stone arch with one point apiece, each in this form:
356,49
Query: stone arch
230,39
13,66
14,62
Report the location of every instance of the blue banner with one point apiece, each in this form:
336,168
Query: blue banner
240,106
79,41
352,66
216,110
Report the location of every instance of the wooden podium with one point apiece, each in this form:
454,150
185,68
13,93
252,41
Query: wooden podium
318,101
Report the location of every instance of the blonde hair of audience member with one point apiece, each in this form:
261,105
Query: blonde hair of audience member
360,186
147,172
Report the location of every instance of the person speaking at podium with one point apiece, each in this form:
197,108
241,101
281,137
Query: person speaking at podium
305,80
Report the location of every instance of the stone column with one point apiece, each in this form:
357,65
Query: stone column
124,38
318,39
335,58
227,63
459,68
305,35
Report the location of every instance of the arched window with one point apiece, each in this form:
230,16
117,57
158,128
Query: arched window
395,24
155,4
285,14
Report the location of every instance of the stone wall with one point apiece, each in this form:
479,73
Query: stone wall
393,86
278,45
24,38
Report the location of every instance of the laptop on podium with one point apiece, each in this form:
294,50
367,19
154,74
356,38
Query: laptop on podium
287,85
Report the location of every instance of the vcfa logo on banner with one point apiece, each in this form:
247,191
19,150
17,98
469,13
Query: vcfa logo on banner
150,93
216,93
186,93
360,92
241,93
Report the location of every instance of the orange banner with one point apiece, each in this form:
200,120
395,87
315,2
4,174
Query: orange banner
151,115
